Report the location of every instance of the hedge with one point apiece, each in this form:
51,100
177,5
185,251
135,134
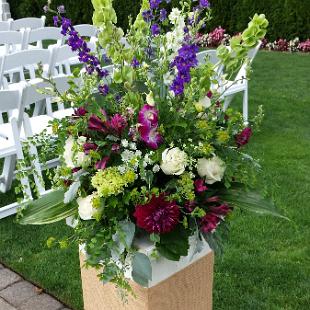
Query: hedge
288,18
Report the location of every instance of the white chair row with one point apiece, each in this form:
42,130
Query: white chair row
19,128
18,24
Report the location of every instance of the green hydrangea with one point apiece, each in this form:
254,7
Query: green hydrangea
186,187
110,181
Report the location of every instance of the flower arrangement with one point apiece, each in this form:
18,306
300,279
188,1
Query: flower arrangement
150,151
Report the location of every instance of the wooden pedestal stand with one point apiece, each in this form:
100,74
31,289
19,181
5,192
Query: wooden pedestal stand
187,289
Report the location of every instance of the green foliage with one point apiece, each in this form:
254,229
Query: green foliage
48,209
141,269
288,19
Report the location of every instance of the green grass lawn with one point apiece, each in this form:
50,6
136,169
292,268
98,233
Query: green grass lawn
266,264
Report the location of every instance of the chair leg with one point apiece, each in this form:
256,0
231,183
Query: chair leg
8,173
228,101
246,106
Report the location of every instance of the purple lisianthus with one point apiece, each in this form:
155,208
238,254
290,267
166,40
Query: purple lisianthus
151,137
61,9
148,116
147,16
135,63
163,15
154,4
103,89
155,30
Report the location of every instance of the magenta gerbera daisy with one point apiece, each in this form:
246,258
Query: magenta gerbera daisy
158,216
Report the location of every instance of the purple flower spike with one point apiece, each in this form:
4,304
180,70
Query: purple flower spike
148,116
56,21
154,4
147,16
103,89
163,15
135,63
155,30
204,4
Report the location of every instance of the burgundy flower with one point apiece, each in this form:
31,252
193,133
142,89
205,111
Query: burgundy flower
209,94
74,170
87,147
213,199
97,124
148,116
209,222
151,137
190,205
117,124
221,210
200,186
81,111
158,216
244,137
101,164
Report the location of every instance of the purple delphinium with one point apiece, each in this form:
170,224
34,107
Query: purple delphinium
135,63
147,16
45,9
155,30
154,4
103,89
163,15
204,3
55,21
186,59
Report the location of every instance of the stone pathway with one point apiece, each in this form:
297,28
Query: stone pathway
18,294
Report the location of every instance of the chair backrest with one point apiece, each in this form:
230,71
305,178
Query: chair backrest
202,56
12,40
43,34
62,56
24,60
4,26
28,22
88,31
9,99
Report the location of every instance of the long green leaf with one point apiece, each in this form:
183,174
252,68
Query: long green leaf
249,200
141,269
48,209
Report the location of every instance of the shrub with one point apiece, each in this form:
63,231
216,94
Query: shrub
288,18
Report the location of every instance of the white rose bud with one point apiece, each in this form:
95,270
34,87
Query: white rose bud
174,161
211,169
86,209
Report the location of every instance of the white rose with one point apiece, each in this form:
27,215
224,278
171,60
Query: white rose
211,169
174,161
86,209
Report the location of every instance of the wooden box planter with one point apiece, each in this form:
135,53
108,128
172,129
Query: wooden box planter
186,286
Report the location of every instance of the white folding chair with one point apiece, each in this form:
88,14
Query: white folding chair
4,26
28,22
240,85
11,41
39,35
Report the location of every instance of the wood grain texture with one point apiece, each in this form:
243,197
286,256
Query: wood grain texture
188,289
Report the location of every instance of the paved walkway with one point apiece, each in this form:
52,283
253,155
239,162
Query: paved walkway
18,294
